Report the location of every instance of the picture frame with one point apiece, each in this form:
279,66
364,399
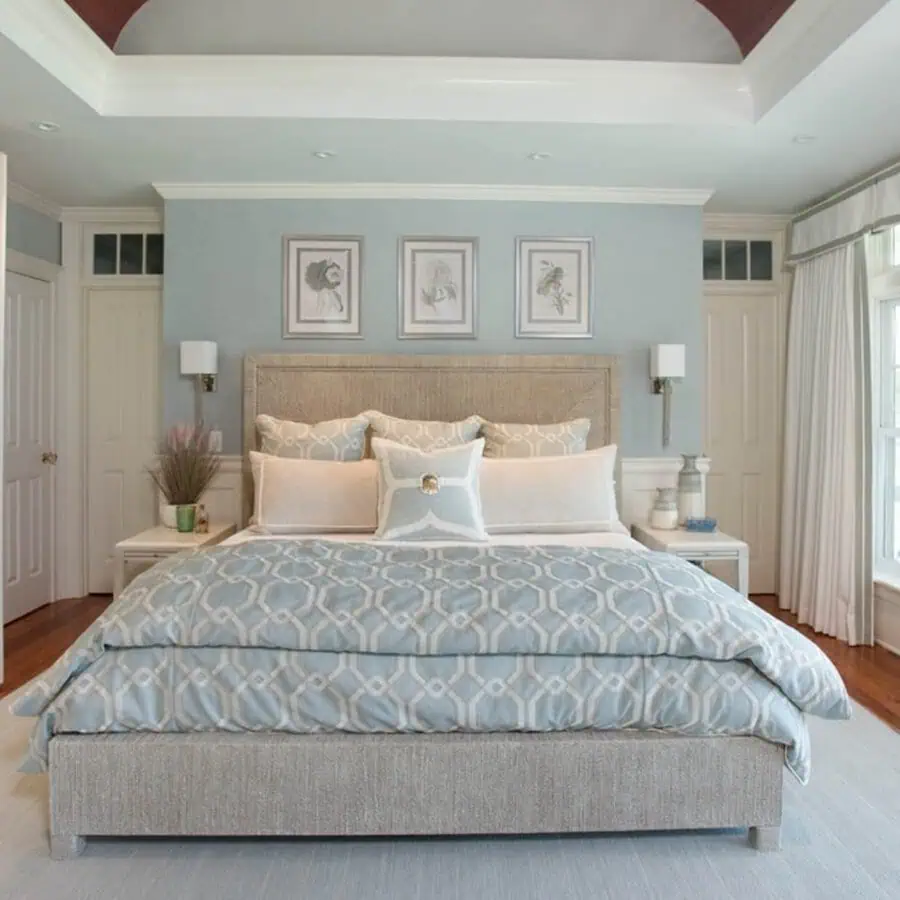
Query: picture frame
438,287
322,286
554,287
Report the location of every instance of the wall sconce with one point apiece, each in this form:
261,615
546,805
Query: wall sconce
666,366
200,359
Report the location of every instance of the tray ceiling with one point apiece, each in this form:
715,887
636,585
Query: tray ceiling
671,30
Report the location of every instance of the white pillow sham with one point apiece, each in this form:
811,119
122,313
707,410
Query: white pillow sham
551,494
313,496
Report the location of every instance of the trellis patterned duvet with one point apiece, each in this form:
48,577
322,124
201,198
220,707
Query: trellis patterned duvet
306,635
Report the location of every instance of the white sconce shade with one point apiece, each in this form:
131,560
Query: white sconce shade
199,358
667,361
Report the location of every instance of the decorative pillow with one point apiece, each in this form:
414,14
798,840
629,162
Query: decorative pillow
425,496
423,435
561,439
343,440
551,494
312,496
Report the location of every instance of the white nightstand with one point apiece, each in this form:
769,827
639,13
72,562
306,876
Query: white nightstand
159,543
698,547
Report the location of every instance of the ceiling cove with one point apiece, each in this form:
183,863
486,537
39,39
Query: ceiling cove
747,20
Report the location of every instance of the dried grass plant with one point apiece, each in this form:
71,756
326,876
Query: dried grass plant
186,465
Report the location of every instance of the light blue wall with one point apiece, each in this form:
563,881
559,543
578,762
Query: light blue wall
223,283
33,233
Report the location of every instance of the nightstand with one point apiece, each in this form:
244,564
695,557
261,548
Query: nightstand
160,543
699,547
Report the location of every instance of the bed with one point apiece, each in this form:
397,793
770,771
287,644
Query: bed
264,780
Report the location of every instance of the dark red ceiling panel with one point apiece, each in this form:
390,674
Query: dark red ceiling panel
748,20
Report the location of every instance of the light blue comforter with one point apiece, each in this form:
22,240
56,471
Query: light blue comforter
304,636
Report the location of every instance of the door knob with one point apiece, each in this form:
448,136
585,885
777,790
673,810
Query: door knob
49,458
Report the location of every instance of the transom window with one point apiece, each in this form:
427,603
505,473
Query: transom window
737,260
127,254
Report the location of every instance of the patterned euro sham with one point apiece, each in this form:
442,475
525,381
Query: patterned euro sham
423,435
511,440
407,638
338,440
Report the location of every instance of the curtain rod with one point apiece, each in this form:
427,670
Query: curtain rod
849,190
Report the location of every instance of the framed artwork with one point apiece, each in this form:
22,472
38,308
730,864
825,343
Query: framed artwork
437,287
322,287
554,289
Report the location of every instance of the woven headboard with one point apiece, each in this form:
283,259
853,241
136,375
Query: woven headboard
538,389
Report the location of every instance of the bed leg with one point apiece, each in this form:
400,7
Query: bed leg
66,846
765,838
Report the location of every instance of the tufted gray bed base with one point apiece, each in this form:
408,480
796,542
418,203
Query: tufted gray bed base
442,784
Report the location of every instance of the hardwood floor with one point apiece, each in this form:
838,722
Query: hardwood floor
872,674
35,641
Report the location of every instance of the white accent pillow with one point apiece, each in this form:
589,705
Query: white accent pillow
427,496
551,494
313,496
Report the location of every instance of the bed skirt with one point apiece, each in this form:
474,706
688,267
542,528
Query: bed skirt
409,784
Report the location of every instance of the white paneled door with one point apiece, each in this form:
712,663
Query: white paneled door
123,421
29,452
742,430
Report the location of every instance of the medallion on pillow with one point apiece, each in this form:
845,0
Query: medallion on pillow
426,496
423,435
511,440
340,440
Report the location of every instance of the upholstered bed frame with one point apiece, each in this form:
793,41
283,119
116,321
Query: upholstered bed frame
347,785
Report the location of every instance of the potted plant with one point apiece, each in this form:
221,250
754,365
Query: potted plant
183,472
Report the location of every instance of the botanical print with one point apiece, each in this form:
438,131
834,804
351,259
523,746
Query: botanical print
322,286
325,277
437,287
553,287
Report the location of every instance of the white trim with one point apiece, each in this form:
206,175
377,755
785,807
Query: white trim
743,224
32,267
3,191
113,215
389,191
430,88
655,465
24,197
887,615
58,39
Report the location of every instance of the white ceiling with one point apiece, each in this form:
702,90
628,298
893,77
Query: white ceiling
850,103
675,30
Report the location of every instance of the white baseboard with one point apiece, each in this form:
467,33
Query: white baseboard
639,477
887,618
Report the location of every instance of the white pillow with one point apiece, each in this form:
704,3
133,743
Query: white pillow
551,494
313,496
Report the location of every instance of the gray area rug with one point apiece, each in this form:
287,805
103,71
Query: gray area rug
841,839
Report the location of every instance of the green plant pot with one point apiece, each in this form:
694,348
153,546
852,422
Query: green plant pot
184,517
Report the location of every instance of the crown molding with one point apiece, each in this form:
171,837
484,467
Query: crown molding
389,191
113,215
743,223
57,38
16,193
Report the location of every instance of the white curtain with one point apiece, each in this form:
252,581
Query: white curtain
826,558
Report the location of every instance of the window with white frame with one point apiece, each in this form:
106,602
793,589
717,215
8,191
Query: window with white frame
886,352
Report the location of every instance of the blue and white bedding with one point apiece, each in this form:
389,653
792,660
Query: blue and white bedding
306,636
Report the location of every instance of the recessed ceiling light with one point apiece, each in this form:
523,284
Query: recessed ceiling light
324,154
537,157
804,138
45,127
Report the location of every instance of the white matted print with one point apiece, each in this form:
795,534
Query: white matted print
322,286
554,290
437,287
